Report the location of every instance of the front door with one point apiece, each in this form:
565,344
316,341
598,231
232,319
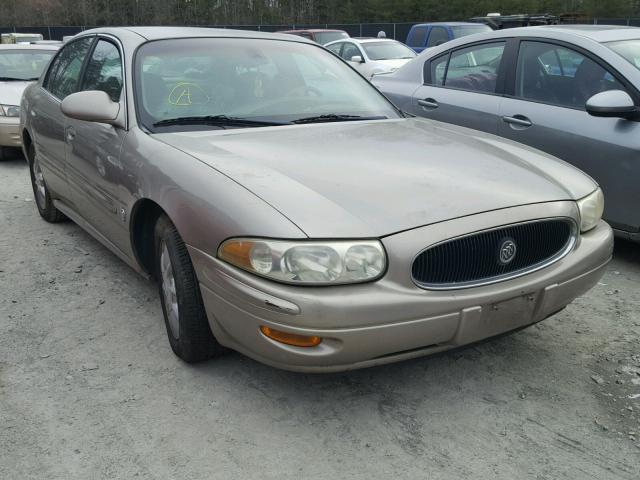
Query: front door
93,150
547,111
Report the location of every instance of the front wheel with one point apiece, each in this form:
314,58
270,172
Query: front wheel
184,315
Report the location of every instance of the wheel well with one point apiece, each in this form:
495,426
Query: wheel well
26,141
144,216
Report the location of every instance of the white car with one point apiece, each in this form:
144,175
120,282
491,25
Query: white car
20,64
372,56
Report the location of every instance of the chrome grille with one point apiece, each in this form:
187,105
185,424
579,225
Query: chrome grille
494,255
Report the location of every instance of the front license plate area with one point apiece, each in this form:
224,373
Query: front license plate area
510,314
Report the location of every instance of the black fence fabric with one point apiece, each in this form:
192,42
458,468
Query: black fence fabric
398,31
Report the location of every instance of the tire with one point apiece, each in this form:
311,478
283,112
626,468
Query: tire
40,192
187,326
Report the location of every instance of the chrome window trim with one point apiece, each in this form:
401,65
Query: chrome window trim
573,238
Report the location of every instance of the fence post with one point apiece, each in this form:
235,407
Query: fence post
360,30
394,31
49,32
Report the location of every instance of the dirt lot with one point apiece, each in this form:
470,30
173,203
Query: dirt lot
89,387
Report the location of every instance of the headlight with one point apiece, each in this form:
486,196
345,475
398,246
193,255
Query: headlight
307,262
591,208
9,111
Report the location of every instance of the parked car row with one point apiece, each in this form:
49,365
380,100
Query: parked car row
570,91
20,64
290,211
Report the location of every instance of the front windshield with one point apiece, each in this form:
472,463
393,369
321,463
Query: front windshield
258,80
23,64
325,37
464,30
387,50
628,49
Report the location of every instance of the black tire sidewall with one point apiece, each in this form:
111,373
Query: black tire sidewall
195,341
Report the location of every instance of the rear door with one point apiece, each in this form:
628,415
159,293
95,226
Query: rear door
47,120
545,108
464,86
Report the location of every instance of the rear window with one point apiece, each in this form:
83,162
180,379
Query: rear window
325,37
418,37
464,30
627,49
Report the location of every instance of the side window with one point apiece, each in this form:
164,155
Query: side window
64,74
438,36
104,70
350,50
419,36
475,68
438,68
335,48
553,74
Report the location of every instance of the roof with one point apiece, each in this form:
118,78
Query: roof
450,24
161,33
598,33
29,46
368,39
312,30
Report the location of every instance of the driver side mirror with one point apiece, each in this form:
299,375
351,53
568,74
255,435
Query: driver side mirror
92,106
612,103
357,59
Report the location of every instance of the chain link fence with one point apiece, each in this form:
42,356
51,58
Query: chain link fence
398,31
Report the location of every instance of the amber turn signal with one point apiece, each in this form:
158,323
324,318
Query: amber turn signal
290,338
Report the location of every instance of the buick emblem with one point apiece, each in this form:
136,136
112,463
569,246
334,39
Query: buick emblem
507,251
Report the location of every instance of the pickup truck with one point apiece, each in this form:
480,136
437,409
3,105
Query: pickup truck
427,35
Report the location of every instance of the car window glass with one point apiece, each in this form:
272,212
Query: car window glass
475,68
104,70
419,36
349,51
553,74
335,48
276,81
64,73
628,49
438,36
438,70
24,64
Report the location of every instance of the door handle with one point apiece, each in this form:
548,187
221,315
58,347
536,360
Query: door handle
428,103
518,120
71,134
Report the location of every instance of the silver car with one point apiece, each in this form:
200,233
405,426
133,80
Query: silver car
20,64
290,212
372,56
571,91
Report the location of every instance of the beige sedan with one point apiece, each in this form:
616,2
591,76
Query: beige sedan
20,64
290,212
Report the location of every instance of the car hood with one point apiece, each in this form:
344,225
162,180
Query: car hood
11,92
375,178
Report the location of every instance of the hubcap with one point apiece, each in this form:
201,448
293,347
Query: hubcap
40,188
169,291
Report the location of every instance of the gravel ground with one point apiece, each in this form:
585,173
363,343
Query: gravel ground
89,387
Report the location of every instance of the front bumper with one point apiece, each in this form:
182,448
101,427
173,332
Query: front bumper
393,319
10,132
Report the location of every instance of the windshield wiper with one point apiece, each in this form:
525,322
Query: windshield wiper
12,79
332,117
216,120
